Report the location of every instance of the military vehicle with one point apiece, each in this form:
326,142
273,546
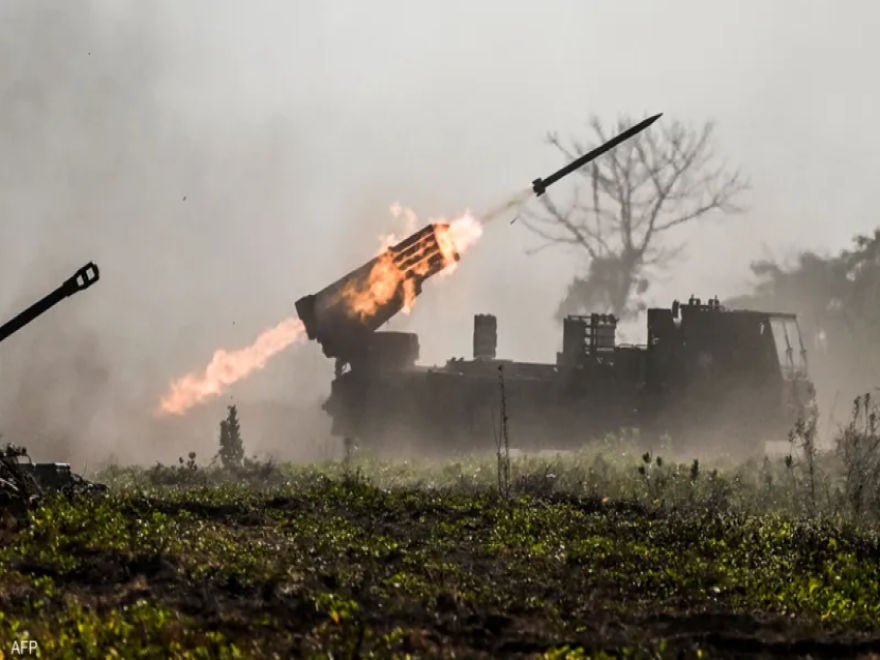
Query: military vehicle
343,316
707,375
706,371
47,476
15,459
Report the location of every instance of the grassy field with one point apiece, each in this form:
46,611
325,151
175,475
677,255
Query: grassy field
601,553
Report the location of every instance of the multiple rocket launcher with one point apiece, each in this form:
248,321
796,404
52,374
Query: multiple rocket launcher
339,326
329,317
343,330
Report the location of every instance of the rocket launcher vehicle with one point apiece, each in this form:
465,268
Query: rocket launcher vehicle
342,316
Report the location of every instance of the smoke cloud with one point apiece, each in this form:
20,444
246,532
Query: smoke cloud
218,161
97,165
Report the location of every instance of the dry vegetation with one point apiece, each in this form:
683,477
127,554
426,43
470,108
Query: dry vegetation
601,553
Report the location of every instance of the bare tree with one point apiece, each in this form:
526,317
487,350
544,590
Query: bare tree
662,178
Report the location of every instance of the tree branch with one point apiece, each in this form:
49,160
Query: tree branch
663,178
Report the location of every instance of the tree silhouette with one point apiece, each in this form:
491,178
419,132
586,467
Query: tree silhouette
231,445
837,299
663,178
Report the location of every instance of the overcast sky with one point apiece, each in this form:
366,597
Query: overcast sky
445,106
290,127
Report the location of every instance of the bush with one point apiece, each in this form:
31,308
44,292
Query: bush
231,445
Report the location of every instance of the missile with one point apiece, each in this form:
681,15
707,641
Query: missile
539,186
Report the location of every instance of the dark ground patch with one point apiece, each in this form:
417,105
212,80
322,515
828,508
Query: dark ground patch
347,568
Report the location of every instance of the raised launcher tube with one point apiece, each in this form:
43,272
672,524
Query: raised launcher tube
342,316
79,281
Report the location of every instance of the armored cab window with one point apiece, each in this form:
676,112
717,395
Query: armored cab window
799,353
789,345
777,327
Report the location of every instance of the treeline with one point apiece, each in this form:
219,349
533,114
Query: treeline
837,298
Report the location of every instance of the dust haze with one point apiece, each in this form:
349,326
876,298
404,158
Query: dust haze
220,160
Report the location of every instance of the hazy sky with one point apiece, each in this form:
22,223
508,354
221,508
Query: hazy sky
290,127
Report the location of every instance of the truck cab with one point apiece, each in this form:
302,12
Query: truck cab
747,369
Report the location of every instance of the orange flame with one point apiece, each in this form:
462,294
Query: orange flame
381,286
461,234
227,368
386,278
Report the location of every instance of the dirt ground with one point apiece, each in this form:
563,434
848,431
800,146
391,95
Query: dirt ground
345,568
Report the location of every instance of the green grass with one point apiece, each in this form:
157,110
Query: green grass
597,554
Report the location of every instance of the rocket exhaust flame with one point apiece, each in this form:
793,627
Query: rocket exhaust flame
397,271
341,316
376,291
227,368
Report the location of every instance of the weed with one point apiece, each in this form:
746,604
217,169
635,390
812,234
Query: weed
600,553
502,440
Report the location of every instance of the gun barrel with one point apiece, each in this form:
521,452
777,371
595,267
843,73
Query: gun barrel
79,281
342,315
540,185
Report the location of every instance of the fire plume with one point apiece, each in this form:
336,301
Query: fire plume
400,269
457,236
389,283
228,367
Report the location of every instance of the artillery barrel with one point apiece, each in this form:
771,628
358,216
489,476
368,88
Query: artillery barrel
81,280
343,315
